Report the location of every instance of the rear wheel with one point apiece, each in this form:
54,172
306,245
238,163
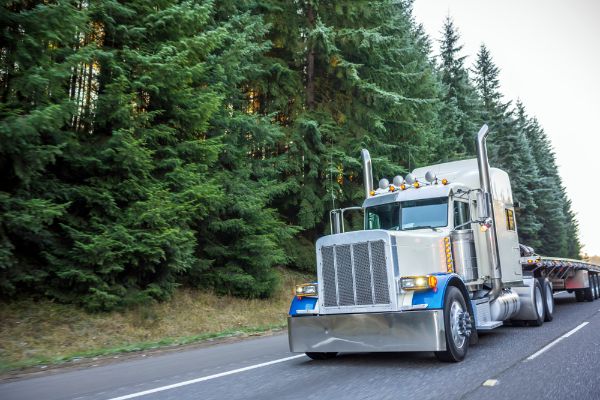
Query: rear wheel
579,295
548,300
596,286
538,304
458,326
588,293
321,356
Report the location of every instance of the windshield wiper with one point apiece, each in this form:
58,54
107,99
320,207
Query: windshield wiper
433,228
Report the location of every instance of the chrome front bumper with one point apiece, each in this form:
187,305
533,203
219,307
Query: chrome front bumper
368,332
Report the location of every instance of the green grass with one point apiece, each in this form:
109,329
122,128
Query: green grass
45,333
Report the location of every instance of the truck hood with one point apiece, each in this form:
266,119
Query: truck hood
419,252
416,252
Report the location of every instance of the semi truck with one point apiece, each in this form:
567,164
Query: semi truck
438,261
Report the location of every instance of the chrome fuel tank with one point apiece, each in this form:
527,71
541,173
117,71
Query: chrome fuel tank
463,252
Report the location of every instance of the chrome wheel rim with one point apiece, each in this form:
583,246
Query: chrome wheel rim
456,311
539,302
549,300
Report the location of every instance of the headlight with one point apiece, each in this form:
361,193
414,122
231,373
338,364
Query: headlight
418,282
306,289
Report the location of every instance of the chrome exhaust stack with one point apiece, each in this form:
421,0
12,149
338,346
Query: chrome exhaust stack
367,172
491,237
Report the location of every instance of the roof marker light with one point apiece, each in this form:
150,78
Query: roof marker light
430,177
398,180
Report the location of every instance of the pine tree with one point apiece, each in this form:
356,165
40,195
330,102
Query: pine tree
365,81
550,200
39,42
460,112
509,147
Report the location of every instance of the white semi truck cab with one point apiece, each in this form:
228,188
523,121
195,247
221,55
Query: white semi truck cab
438,260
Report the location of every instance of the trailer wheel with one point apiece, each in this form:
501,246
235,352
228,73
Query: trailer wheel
588,293
579,296
596,286
538,304
548,300
458,326
321,356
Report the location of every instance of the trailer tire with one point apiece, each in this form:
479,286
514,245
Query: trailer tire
579,297
321,356
596,286
548,300
588,293
538,304
457,325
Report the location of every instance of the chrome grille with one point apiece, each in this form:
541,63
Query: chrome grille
355,274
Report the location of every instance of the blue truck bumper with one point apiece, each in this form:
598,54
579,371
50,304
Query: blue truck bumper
421,330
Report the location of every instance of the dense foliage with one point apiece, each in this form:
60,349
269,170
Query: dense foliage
152,143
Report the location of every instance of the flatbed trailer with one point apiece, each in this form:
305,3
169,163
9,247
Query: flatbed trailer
580,277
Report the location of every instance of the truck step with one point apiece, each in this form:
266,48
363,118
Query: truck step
489,325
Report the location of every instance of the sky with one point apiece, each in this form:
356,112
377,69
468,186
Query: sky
548,52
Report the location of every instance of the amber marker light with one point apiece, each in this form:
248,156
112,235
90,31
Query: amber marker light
372,193
444,181
392,188
417,185
403,186
432,280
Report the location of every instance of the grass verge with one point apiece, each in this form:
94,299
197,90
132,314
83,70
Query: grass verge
45,333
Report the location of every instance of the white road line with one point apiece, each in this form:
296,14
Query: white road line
551,344
204,378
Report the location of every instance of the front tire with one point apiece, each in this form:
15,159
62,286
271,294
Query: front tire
321,356
458,326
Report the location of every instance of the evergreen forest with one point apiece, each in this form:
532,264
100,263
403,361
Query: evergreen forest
149,144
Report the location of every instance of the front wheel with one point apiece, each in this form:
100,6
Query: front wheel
321,356
458,326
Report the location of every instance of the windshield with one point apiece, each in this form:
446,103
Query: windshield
407,215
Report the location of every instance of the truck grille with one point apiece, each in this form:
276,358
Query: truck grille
355,274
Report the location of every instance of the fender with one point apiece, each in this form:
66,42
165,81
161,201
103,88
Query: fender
435,298
302,303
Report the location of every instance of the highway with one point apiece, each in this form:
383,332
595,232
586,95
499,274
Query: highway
559,360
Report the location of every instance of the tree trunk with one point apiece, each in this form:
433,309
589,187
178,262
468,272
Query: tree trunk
310,67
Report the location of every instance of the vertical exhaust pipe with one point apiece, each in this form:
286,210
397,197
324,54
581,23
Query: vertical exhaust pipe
491,237
367,172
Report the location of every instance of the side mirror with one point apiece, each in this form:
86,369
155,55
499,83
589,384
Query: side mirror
482,206
335,221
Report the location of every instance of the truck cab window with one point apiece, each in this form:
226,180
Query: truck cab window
408,215
462,214
384,216
426,213
510,219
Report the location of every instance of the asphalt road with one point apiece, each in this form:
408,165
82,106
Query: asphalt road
560,360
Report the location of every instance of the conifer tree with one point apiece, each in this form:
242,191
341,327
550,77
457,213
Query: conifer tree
460,111
38,45
509,147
